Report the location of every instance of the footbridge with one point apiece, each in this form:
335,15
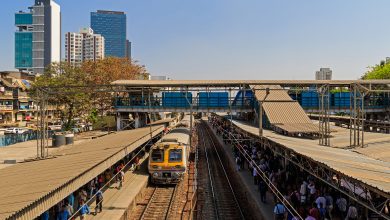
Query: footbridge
274,104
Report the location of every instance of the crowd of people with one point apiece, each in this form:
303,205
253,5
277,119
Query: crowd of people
302,194
76,204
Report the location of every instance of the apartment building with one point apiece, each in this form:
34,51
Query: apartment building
83,46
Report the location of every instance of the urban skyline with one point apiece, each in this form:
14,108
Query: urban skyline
253,44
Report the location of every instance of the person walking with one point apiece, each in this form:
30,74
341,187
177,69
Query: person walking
99,201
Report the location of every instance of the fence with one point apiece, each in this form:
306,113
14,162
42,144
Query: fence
10,139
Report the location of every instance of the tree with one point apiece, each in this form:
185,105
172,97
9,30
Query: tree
104,72
379,71
65,81
73,86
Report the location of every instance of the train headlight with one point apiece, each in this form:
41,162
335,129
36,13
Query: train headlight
155,174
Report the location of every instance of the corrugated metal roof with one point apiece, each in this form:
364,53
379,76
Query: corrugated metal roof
367,170
298,127
28,189
276,93
380,151
156,83
282,111
285,113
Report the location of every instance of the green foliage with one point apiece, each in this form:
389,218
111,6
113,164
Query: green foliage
93,116
74,102
339,89
379,71
74,98
104,122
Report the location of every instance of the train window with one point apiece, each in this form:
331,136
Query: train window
158,155
175,155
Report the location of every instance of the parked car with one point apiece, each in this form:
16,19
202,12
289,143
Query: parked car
15,131
55,127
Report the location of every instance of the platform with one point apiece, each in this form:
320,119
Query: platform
370,171
31,188
118,202
266,209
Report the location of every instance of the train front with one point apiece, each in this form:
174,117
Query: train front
167,163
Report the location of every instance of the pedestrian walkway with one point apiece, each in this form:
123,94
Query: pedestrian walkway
117,202
266,209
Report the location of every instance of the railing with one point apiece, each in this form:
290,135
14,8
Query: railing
342,103
182,102
10,139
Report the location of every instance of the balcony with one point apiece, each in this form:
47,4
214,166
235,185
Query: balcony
6,108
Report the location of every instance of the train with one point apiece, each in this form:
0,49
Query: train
168,157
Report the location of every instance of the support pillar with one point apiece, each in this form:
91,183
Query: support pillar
118,122
324,105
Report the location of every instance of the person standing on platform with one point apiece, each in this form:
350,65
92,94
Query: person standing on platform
63,214
352,213
121,178
255,176
303,192
238,163
279,211
84,210
71,200
68,207
341,204
263,191
99,201
45,215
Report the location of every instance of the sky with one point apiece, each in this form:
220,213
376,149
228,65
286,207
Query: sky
235,39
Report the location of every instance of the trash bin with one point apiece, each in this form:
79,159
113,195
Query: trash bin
69,139
58,140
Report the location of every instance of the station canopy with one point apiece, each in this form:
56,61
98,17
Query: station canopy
282,111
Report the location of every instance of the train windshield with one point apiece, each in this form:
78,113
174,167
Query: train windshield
175,155
158,155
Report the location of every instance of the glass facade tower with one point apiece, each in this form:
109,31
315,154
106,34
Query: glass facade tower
112,26
38,36
23,41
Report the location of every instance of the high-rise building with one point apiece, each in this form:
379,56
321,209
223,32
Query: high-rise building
112,26
83,46
324,74
38,41
23,41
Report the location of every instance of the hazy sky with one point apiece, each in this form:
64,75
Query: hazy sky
235,39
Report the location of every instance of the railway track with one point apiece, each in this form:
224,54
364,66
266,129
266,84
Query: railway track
160,202
219,199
